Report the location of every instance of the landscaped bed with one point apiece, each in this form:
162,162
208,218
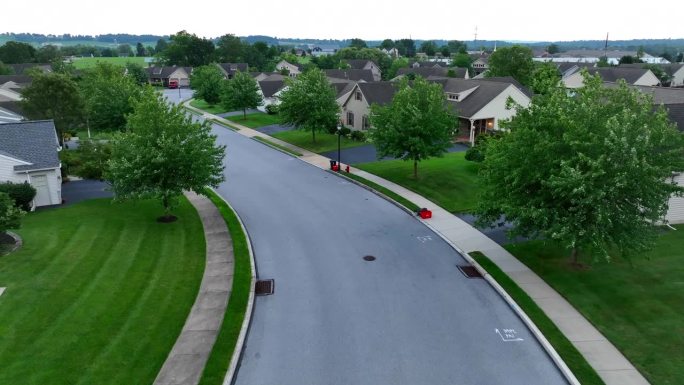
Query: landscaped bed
255,120
450,181
638,306
98,293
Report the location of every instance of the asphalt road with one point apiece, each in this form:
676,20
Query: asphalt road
409,317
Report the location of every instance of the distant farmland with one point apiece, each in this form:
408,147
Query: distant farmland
89,62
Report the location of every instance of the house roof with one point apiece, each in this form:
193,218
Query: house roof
231,68
19,80
423,71
671,98
485,91
676,114
613,74
350,74
359,64
510,80
164,72
21,68
341,86
34,142
669,69
271,87
378,92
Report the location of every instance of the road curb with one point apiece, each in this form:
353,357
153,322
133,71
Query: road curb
246,322
376,192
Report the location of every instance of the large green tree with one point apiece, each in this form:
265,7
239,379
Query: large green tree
428,47
358,43
187,49
14,52
163,154
545,77
591,171
309,103
5,69
418,124
207,81
515,61
53,96
230,49
240,93
109,95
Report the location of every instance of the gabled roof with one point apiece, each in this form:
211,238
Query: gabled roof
669,69
34,142
359,64
676,114
341,86
423,71
164,72
350,74
510,80
378,92
231,68
271,87
19,80
484,93
21,68
613,74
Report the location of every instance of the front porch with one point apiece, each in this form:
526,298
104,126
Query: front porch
470,129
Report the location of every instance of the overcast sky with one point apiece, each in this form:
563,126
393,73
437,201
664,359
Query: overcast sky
525,20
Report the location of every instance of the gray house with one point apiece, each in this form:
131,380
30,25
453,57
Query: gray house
28,153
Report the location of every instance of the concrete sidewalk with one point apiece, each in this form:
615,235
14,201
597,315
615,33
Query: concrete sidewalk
610,364
187,359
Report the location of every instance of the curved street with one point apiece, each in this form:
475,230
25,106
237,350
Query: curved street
409,317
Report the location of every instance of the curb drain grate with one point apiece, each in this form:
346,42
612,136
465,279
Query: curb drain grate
470,271
264,287
369,258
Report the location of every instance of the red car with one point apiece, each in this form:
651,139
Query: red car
173,83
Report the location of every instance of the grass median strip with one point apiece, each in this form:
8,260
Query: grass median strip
217,365
224,124
276,145
389,193
575,361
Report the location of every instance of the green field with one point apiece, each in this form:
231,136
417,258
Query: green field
324,142
256,120
638,306
98,294
89,62
450,181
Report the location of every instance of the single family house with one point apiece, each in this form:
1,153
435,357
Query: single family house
229,69
361,64
163,75
633,76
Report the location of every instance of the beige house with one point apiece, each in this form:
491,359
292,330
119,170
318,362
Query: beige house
229,69
479,104
675,212
293,70
633,76
366,65
163,75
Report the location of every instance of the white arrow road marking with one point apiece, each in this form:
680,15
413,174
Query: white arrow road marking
424,238
508,335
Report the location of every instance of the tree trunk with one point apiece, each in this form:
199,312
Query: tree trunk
313,133
415,169
574,254
244,114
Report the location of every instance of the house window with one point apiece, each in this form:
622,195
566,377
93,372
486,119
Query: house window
358,95
350,118
453,97
365,122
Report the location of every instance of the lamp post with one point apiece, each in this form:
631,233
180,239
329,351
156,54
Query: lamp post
339,138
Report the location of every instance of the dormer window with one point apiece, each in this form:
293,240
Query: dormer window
358,96
453,97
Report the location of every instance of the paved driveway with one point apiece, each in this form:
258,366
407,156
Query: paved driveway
409,317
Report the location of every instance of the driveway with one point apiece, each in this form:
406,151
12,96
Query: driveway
274,129
409,317
81,190
368,153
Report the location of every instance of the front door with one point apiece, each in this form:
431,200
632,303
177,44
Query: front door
40,183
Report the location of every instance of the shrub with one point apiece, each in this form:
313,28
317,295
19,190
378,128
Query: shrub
22,194
476,153
10,215
271,109
89,161
345,131
358,136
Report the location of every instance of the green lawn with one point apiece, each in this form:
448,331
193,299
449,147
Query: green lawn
450,181
98,294
210,108
324,142
570,355
89,62
217,365
639,307
256,120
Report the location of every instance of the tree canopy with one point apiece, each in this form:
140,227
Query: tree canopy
309,103
240,93
14,52
416,125
515,61
187,49
163,154
591,171
207,81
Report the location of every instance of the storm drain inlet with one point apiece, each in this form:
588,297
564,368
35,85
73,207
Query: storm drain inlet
369,258
264,287
469,271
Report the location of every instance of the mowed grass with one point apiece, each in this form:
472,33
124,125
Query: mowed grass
98,294
210,108
450,181
255,120
324,142
90,62
639,307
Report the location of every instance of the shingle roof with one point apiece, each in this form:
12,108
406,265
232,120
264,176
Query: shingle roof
378,92
270,87
358,64
350,74
612,74
485,92
341,86
676,114
20,68
510,80
34,142
423,71
164,72
231,68
671,98
18,79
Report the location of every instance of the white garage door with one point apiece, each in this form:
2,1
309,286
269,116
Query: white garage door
40,183
675,212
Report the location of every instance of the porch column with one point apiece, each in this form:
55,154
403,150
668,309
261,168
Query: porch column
472,132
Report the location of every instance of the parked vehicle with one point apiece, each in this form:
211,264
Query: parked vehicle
173,83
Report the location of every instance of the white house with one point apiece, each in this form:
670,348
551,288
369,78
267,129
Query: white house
293,70
675,212
28,153
361,64
633,76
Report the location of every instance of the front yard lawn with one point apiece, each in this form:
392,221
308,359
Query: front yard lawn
256,120
639,307
324,142
98,294
210,108
450,181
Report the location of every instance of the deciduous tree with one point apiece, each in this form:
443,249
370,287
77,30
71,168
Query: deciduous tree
241,93
207,81
416,125
14,52
515,61
592,171
163,154
309,103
